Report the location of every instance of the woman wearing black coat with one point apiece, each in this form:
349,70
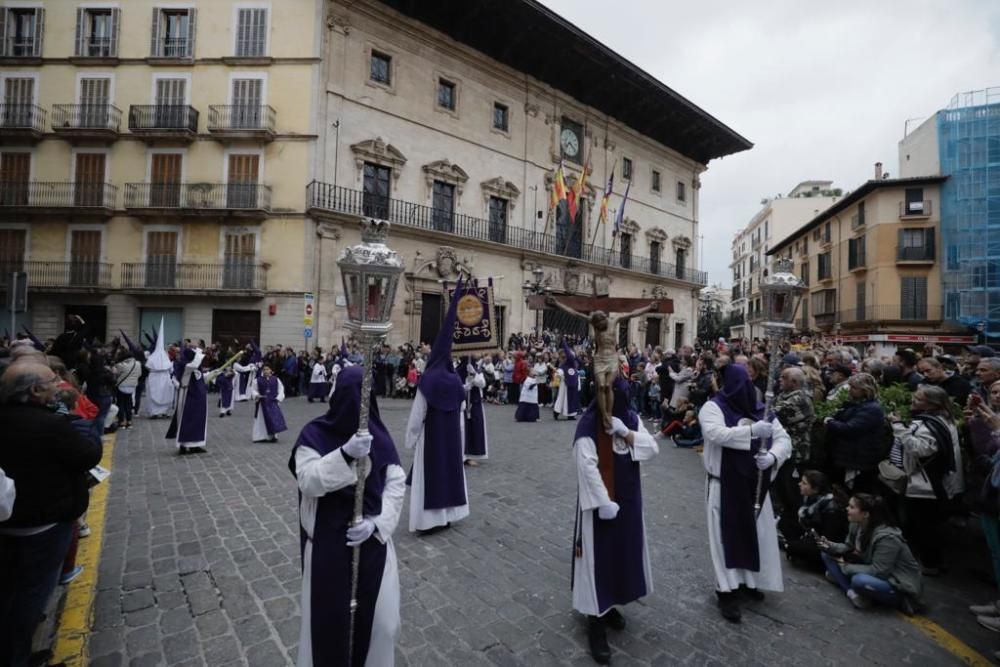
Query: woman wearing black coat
857,437
822,514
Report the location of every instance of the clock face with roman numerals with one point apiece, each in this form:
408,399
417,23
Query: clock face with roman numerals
571,140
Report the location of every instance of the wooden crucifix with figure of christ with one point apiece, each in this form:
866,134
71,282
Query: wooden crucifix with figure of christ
604,328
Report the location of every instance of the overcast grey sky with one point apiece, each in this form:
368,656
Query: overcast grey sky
822,89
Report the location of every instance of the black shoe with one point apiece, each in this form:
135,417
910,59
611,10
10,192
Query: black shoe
435,529
273,439
614,619
597,637
729,606
752,593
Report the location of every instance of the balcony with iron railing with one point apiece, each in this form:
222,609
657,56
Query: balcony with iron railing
80,273
163,121
915,209
86,121
242,121
231,277
736,318
243,199
38,197
22,120
891,313
921,254
324,197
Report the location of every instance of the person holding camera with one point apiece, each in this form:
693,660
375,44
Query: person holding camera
874,564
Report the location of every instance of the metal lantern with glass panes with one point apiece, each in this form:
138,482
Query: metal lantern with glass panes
370,271
782,293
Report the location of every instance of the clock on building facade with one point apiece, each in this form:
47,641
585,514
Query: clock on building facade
571,141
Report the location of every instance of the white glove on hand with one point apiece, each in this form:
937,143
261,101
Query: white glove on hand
618,428
358,446
361,532
765,460
761,429
608,512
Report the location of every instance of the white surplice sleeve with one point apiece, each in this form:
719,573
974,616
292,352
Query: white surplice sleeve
415,424
781,446
715,431
644,446
392,503
591,487
7,495
254,394
479,381
281,391
319,475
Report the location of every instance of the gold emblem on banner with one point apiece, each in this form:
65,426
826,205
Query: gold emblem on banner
470,310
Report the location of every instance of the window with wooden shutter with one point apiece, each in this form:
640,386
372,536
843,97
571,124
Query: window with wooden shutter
161,259
85,257
248,102
88,185
23,30
15,173
97,32
913,298
240,259
95,101
171,111
173,32
859,302
165,180
13,243
241,188
251,33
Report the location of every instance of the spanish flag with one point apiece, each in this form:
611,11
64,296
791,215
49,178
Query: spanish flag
558,186
603,218
573,197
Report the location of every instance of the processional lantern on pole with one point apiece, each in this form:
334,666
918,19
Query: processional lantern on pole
370,271
782,292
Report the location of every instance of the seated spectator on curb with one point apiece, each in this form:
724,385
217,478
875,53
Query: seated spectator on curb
874,564
689,433
48,459
820,515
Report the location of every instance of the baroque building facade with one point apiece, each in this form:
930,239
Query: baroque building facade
450,119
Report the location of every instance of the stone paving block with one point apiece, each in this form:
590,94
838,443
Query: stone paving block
265,654
152,659
140,599
181,646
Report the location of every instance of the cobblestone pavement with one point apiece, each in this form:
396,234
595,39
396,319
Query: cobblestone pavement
201,566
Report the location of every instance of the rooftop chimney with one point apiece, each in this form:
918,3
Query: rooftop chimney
878,171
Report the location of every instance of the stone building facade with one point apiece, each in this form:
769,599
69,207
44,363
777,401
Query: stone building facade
451,121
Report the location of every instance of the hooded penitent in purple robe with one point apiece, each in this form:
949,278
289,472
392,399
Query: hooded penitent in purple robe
476,446
435,430
568,399
611,561
326,481
744,547
268,392
225,384
190,419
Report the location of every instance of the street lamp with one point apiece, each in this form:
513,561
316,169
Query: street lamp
534,288
781,293
370,271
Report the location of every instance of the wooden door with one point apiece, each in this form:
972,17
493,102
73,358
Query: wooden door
248,100
19,101
85,257
15,172
241,190
88,186
161,259
240,326
165,180
241,253
653,331
95,96
430,316
171,112
13,243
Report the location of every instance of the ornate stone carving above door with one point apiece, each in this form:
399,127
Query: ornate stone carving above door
378,151
444,170
498,187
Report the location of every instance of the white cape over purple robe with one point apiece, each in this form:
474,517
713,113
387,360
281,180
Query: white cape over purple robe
717,437
420,518
260,421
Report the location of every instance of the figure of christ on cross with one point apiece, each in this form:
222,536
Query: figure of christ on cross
606,367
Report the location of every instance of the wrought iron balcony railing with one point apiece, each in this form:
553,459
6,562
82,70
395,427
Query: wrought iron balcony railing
239,275
198,196
241,118
891,313
78,272
923,253
337,199
39,194
162,117
29,117
101,117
